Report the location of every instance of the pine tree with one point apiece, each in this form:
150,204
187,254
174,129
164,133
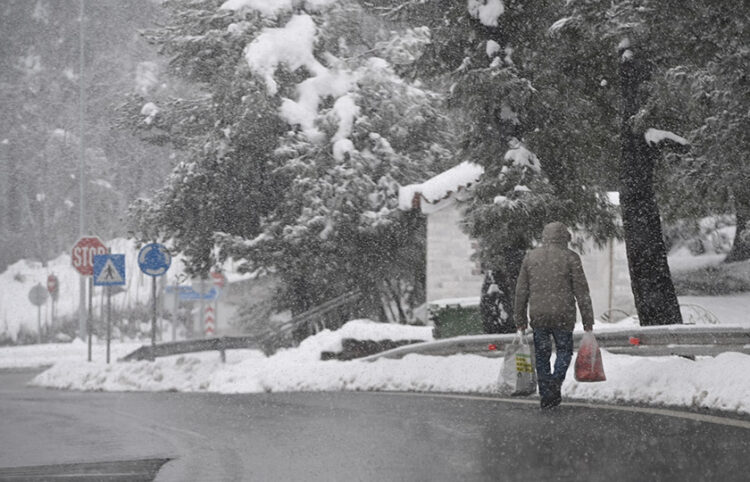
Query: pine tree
298,148
646,39
521,119
709,102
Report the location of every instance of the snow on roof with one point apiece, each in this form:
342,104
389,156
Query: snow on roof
655,136
441,186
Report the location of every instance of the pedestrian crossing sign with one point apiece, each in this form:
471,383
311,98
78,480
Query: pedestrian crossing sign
109,269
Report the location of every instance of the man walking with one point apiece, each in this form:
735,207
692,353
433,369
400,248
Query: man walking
550,283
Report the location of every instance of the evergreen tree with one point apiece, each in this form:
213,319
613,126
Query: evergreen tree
520,118
299,138
710,104
646,39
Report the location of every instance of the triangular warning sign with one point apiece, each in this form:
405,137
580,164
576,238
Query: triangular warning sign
109,274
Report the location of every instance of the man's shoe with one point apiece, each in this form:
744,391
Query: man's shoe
546,403
556,397
551,402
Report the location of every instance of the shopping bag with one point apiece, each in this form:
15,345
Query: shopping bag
589,367
518,376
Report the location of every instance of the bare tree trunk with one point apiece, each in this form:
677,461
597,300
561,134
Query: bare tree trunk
741,245
396,295
651,282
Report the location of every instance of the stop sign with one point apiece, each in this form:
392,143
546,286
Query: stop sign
83,254
52,283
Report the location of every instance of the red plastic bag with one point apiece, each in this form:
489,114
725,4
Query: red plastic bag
589,367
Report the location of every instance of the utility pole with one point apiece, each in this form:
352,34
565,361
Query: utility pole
82,315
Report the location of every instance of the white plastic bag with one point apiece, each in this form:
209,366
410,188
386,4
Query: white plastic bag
518,376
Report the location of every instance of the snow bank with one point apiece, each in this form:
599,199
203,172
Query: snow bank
716,383
277,374
721,383
36,356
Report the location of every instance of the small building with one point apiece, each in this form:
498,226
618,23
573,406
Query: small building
450,271
454,278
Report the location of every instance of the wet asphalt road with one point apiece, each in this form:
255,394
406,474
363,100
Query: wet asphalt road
353,436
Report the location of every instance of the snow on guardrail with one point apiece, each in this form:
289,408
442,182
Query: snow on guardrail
645,341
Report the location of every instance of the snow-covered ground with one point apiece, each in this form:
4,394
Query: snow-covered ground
46,354
721,383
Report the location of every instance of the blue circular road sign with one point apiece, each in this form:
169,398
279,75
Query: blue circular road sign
154,259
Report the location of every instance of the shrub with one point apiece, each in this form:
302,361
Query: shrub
714,280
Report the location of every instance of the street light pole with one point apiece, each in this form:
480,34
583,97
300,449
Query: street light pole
82,316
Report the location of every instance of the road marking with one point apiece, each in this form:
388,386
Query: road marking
652,411
155,424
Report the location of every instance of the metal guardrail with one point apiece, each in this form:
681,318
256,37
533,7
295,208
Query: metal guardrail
305,320
683,340
314,319
220,344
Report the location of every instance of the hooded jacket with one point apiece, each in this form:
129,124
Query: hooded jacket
550,283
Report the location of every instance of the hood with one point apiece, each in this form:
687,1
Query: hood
556,233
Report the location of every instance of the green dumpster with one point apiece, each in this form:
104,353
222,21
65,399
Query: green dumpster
455,320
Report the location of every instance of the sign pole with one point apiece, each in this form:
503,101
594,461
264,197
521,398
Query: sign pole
176,307
109,319
153,315
202,322
154,260
109,312
82,259
88,318
108,270
82,321
38,296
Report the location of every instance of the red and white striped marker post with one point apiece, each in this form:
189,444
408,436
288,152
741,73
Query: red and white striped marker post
209,322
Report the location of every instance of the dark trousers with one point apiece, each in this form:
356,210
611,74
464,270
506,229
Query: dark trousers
550,382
